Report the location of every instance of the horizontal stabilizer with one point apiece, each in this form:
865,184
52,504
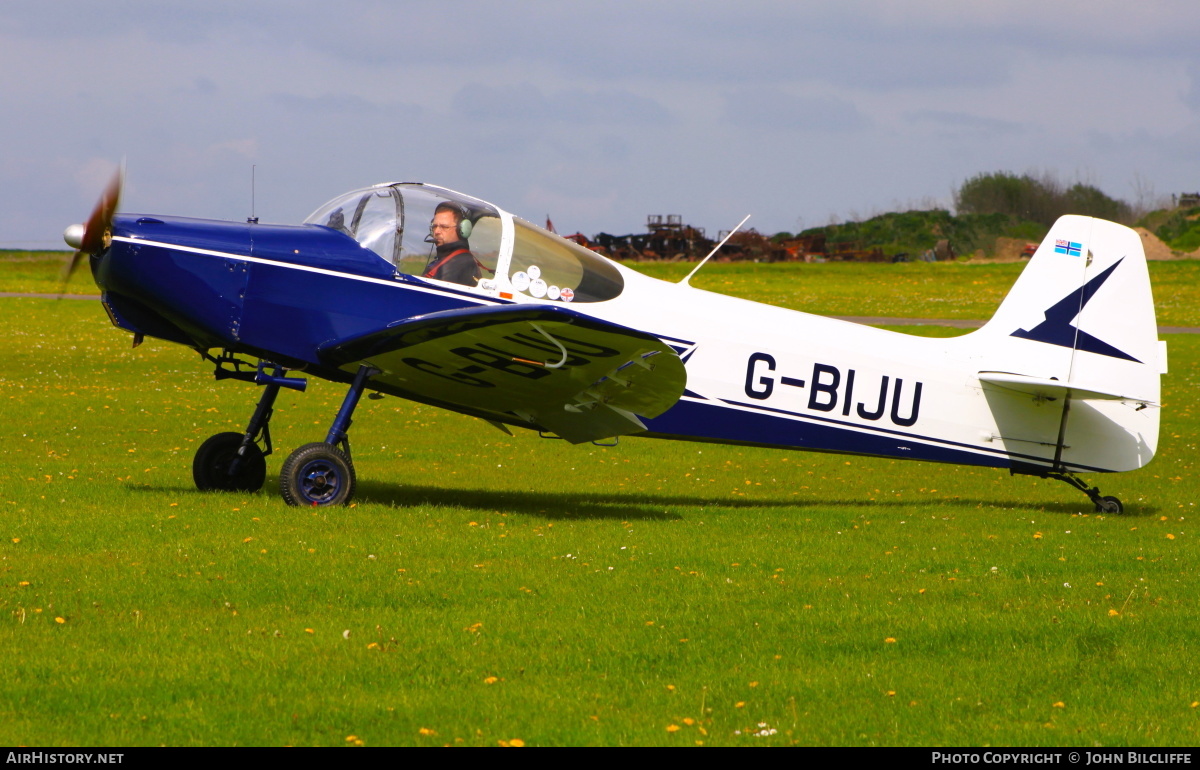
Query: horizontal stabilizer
1050,390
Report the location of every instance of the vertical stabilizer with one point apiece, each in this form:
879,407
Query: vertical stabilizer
1081,315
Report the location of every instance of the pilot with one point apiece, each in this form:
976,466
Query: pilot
452,259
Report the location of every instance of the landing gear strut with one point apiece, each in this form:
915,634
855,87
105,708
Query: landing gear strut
322,473
236,462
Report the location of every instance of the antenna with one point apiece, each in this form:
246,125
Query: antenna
688,277
253,218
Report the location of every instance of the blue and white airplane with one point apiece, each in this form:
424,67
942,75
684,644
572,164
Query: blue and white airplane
427,294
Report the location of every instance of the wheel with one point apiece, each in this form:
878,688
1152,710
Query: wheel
317,474
1109,505
210,467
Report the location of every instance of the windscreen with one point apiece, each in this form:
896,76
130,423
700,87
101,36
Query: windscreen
410,226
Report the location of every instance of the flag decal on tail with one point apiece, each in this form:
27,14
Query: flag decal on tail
1070,248
1057,328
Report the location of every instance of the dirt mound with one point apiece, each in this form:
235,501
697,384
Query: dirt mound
1153,245
1009,249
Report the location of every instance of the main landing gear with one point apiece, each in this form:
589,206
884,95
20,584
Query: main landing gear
322,473
316,474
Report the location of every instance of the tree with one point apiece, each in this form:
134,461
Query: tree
1040,200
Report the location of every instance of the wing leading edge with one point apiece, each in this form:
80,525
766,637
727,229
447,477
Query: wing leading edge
549,367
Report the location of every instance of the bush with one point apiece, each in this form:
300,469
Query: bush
1040,200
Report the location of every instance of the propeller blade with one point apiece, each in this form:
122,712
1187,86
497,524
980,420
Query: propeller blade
98,230
67,271
94,236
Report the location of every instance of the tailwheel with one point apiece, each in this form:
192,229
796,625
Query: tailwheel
222,463
1109,505
317,474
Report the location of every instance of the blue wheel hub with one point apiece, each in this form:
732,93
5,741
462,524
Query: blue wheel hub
320,481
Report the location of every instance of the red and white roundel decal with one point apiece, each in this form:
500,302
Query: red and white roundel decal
566,294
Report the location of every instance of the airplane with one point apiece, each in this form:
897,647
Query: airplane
423,293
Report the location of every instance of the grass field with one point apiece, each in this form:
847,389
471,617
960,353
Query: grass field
486,589
913,290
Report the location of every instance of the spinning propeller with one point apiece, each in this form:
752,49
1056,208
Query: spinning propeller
96,235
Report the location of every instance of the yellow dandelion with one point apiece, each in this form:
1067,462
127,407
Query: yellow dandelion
60,620
1195,703
427,731
23,583
1113,613
1060,705
740,704
1037,535
754,684
672,728
491,680
670,688
309,631
351,738
247,540
16,539
689,721
1170,536
517,742
890,640
372,646
891,693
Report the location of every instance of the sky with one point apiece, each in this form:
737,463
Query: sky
596,114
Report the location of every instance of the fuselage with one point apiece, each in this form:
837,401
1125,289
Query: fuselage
756,374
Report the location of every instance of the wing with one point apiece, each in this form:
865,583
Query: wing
544,366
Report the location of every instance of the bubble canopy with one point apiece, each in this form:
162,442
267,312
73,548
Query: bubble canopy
515,258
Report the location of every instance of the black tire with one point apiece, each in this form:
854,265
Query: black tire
1109,505
317,475
210,467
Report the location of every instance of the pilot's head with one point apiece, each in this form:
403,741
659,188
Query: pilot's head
446,226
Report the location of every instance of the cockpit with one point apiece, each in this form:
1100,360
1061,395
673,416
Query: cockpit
512,258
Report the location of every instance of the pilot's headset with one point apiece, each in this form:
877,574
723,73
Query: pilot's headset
464,224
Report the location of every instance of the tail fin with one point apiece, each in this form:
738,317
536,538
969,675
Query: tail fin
1078,330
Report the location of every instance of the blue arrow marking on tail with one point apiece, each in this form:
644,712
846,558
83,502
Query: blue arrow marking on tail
1057,328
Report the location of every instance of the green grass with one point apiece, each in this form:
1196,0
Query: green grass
914,232
498,588
949,290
